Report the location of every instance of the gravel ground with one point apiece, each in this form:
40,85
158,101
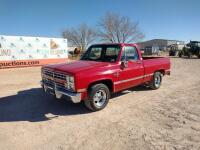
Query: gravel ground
139,118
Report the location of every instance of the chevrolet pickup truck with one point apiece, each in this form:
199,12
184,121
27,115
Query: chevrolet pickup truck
102,70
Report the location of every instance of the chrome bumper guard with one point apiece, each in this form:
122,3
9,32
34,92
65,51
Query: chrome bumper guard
74,97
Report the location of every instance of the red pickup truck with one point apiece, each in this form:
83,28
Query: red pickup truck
103,69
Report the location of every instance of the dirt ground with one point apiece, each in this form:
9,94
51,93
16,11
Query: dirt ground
139,118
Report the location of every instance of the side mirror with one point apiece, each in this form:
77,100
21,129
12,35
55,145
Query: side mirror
124,64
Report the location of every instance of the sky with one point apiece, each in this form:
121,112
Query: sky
158,19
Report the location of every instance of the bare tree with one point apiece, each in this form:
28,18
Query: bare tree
119,29
81,36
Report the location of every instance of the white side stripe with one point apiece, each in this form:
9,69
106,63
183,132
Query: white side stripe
132,79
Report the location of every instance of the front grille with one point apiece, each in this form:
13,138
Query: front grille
54,74
59,76
54,78
48,73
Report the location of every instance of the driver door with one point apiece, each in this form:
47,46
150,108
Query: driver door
132,74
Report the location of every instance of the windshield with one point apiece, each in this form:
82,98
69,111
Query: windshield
105,53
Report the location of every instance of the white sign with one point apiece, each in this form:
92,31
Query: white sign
29,48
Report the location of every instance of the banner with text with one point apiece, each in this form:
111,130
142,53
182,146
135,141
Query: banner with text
14,49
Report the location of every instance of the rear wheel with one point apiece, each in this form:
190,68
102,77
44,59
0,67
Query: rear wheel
156,81
98,97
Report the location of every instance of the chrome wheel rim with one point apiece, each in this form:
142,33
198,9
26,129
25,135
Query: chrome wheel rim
157,81
99,98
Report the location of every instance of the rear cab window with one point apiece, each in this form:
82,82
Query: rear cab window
104,53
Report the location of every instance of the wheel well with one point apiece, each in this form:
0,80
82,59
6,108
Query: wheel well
107,82
162,71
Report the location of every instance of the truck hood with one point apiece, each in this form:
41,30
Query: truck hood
76,66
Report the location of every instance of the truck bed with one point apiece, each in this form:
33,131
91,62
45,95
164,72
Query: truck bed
152,64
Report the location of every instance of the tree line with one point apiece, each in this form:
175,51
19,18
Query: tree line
111,28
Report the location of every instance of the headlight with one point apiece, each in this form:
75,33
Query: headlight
71,86
70,82
71,79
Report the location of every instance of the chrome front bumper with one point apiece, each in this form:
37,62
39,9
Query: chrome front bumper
74,97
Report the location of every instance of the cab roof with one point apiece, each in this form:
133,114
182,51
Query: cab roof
120,44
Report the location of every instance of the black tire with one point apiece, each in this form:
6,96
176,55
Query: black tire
156,81
180,54
94,104
189,55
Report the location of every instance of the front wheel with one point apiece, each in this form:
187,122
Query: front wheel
98,97
156,81
180,54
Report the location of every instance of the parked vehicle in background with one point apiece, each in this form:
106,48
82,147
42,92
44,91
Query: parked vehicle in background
103,69
175,48
151,50
191,49
172,52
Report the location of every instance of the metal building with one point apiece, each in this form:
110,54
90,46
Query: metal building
161,44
